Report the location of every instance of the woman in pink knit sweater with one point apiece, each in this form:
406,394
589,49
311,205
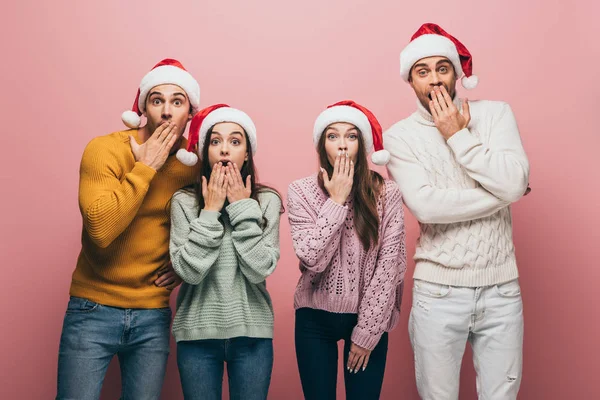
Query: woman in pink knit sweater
347,226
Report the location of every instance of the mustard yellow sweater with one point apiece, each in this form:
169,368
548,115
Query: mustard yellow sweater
126,222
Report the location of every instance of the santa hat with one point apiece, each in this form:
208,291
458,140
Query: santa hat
431,40
357,115
206,119
168,71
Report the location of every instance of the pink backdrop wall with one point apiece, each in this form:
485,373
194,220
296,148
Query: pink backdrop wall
70,68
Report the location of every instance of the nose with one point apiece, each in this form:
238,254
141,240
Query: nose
343,145
224,149
166,111
435,79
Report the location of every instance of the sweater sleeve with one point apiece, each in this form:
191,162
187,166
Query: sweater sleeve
378,301
195,241
107,201
429,204
257,247
315,240
501,165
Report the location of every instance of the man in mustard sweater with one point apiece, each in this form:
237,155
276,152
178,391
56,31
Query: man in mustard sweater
123,279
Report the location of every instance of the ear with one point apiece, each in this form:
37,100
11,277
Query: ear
246,157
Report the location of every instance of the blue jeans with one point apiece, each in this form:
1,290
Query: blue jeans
93,333
249,364
317,333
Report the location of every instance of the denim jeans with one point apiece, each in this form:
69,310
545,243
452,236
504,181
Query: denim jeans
317,333
249,365
93,333
443,318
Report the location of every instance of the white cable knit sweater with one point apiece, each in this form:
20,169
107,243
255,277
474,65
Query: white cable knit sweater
460,191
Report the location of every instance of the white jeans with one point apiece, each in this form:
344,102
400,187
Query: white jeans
444,317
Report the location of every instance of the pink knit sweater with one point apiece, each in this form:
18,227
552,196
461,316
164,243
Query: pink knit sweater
338,275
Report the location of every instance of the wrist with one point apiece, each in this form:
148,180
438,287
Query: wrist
338,200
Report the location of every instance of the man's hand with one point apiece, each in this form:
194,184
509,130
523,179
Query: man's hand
167,277
155,150
446,116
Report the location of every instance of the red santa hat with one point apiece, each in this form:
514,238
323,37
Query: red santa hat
359,116
206,119
168,71
431,40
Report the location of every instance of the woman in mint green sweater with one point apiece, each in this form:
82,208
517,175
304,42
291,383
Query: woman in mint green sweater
224,244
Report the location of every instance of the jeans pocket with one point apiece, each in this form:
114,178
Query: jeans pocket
430,289
78,305
509,289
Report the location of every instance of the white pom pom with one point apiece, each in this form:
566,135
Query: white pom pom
186,157
470,82
380,157
131,119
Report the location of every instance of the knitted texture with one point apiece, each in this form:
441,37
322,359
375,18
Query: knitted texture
125,237
460,191
338,275
224,259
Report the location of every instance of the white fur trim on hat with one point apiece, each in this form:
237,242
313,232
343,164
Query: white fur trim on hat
131,119
228,114
169,74
381,157
186,157
469,82
429,45
347,114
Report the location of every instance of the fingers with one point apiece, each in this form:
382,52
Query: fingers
165,279
160,131
325,176
222,175
466,110
171,139
447,98
134,145
433,110
231,178
347,165
163,269
359,363
352,358
366,361
215,176
336,164
440,99
204,187
351,169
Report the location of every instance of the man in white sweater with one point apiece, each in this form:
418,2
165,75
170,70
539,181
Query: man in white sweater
459,166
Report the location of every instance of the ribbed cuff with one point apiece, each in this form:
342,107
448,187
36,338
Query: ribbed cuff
211,217
364,339
334,210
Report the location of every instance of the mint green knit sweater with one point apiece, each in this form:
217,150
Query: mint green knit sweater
224,259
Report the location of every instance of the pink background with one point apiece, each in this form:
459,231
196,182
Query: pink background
69,69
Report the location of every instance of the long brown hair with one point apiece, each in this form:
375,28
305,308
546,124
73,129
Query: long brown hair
248,168
366,187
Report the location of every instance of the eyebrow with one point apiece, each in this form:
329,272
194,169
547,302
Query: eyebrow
160,94
427,66
232,133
